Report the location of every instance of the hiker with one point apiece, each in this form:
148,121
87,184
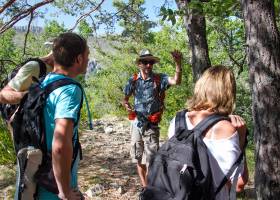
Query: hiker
61,112
215,92
13,92
17,87
148,90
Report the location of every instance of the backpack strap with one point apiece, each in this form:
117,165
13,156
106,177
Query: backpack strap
181,128
237,165
50,88
42,65
207,122
180,122
134,79
226,178
160,94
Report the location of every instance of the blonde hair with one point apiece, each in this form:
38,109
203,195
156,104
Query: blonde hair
214,91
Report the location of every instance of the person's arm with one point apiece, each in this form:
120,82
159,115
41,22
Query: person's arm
10,96
177,57
17,87
128,90
62,153
243,179
240,125
126,104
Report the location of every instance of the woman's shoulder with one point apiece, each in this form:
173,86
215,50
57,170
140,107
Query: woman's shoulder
223,129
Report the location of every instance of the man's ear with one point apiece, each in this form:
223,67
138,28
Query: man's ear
79,59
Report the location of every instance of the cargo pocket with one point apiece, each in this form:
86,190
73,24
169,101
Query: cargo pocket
136,151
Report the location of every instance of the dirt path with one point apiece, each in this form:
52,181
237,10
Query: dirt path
106,171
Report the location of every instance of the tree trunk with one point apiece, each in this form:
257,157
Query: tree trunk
263,43
195,25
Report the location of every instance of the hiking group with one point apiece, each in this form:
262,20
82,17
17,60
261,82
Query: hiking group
203,159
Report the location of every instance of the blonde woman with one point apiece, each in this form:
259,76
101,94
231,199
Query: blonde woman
215,92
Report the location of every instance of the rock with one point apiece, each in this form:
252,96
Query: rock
120,190
114,185
95,190
109,130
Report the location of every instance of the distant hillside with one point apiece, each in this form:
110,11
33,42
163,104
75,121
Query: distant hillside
94,43
33,29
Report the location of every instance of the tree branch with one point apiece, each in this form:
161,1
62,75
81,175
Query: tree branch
86,14
27,32
8,4
22,15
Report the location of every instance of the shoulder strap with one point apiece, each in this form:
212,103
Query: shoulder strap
226,178
43,68
42,65
207,123
59,83
180,122
157,78
135,77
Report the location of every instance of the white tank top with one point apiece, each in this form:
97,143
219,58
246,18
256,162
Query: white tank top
222,154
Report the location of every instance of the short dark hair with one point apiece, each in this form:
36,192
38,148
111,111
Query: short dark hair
67,47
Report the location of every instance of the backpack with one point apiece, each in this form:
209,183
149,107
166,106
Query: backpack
30,141
180,170
160,95
7,110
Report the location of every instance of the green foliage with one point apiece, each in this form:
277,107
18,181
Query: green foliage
244,102
132,19
53,29
84,29
226,46
7,154
222,9
8,53
168,14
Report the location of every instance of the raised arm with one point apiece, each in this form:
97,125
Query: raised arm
177,57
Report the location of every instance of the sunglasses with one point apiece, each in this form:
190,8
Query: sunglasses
145,62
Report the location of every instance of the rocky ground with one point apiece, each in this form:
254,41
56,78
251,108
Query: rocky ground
106,171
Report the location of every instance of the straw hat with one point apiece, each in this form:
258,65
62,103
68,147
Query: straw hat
145,54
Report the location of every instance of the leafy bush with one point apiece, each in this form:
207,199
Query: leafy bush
7,154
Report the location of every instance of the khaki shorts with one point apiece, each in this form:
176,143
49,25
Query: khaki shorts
143,145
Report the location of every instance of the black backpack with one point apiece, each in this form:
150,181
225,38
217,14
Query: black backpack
29,139
7,110
180,170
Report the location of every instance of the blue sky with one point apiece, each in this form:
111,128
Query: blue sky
152,10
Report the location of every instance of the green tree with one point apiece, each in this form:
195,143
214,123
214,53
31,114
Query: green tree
8,59
52,29
132,19
84,29
8,52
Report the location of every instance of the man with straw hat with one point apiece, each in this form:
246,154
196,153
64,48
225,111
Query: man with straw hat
148,90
